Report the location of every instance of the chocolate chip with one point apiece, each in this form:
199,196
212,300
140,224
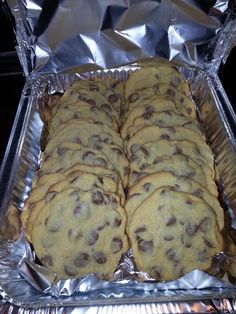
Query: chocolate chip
81,211
69,271
117,222
145,151
47,261
146,187
81,260
145,246
101,162
54,226
113,98
75,234
106,108
168,238
141,229
189,202
165,137
204,224
191,229
155,272
101,227
100,179
143,166
147,115
198,193
202,255
168,112
170,92
185,241
100,257
133,148
171,221
178,150
172,255
208,243
117,150
61,151
92,102
133,97
93,237
157,160
93,87
175,81
88,155
116,245
97,198
50,195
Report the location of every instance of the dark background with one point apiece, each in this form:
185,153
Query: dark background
12,79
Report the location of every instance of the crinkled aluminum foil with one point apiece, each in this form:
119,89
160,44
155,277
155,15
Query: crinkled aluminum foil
64,36
28,285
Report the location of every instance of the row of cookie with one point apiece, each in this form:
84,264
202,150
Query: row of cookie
174,216
77,200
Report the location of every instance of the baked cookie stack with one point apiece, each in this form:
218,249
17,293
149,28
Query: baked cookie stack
75,216
143,137
174,216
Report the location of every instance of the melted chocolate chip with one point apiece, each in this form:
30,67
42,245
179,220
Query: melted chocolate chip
168,238
101,227
100,257
175,81
208,243
202,255
133,148
185,241
133,97
113,98
101,162
97,198
141,229
100,179
145,246
155,272
93,237
170,92
145,151
172,255
106,108
189,202
116,245
204,224
61,151
178,150
81,260
69,271
198,193
117,150
146,187
92,102
165,137
117,222
87,155
191,229
47,261
171,221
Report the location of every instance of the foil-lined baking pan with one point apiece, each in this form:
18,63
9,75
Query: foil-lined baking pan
26,285
107,34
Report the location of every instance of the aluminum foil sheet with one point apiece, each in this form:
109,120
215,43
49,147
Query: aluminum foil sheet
27,287
63,36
